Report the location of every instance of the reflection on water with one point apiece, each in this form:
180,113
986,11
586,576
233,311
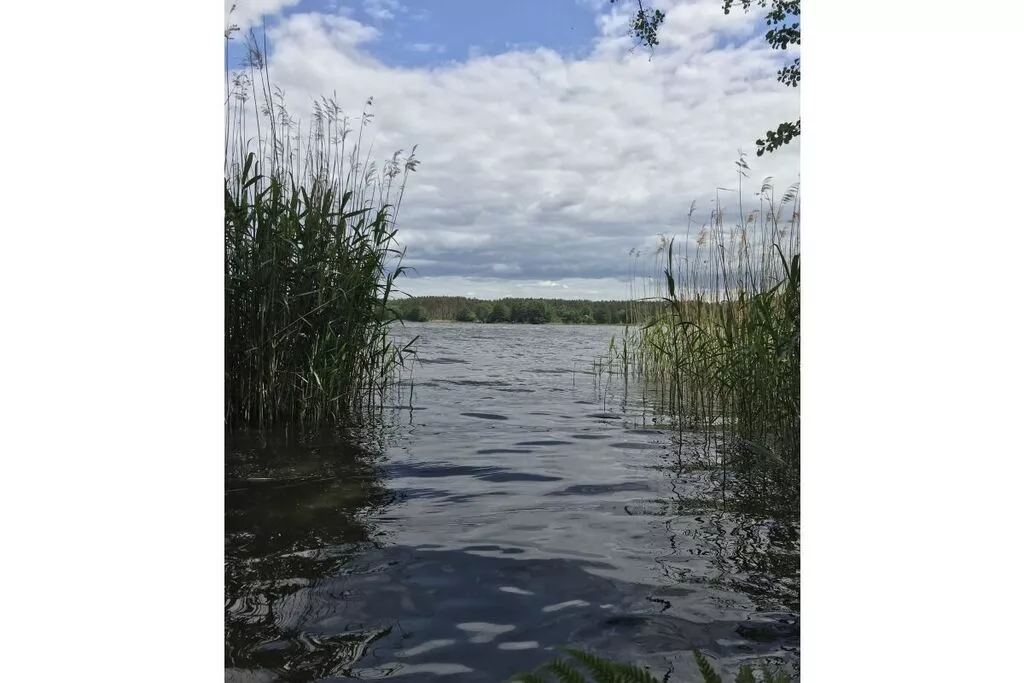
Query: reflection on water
510,509
295,517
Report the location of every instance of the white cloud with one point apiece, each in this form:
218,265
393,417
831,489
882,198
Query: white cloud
248,13
537,168
428,47
498,287
383,10
442,239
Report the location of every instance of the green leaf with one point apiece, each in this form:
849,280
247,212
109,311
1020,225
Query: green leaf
746,675
565,672
706,671
527,678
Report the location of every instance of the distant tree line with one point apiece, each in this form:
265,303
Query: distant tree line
529,311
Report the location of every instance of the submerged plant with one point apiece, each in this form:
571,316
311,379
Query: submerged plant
310,260
601,670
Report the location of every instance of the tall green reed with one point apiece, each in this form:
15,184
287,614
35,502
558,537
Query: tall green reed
722,345
310,259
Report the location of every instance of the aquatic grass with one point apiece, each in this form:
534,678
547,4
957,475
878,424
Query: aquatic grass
310,259
722,346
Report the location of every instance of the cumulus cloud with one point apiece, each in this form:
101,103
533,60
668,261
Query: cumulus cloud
248,13
382,10
540,172
427,47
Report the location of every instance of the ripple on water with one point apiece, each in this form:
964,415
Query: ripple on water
503,477
476,588
598,489
408,493
433,471
484,632
494,548
636,446
524,645
498,451
466,497
565,605
396,669
647,507
425,647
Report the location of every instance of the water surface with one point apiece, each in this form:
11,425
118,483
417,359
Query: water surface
514,501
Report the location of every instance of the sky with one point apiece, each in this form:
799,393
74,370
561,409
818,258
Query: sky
549,144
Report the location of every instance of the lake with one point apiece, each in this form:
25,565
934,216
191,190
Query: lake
511,501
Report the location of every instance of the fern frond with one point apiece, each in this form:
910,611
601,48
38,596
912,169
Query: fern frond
706,671
746,675
632,673
608,671
526,678
777,677
565,672
601,670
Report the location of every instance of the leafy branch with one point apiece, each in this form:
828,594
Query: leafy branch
783,20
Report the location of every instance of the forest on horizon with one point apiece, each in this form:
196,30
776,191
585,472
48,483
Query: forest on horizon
522,310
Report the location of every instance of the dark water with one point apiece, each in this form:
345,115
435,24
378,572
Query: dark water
521,503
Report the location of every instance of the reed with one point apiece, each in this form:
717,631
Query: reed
310,259
724,353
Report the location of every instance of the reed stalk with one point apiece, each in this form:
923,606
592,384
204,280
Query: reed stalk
723,348
310,259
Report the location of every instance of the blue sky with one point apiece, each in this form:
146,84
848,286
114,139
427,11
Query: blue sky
549,146
465,27
426,33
